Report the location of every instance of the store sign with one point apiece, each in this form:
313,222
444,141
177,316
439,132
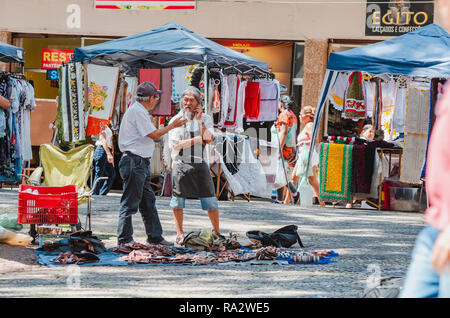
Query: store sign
53,58
397,17
52,75
145,4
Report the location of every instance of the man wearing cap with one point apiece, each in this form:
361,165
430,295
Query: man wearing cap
136,142
191,177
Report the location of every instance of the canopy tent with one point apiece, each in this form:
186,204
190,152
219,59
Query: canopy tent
424,52
10,53
170,45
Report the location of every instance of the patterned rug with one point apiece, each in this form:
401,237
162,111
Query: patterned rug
335,172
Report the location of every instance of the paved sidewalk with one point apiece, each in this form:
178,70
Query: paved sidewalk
369,243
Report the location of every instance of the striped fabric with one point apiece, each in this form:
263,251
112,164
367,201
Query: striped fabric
335,172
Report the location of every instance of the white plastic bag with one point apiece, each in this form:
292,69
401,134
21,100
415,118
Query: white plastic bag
306,193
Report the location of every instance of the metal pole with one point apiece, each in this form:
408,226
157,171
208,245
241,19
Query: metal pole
205,98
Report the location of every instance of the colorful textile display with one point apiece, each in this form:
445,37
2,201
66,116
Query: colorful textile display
181,77
335,172
71,103
102,84
354,100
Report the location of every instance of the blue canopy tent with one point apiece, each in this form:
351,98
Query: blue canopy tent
424,52
170,45
11,54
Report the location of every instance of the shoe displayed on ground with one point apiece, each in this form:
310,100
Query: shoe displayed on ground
179,240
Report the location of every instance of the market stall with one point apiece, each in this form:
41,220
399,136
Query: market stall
393,86
172,57
15,141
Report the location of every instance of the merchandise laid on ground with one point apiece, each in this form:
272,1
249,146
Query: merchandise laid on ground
200,248
394,95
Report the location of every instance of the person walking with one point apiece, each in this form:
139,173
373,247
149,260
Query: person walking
104,162
190,172
286,129
136,142
304,143
429,271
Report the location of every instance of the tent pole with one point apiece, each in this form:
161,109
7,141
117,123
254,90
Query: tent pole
205,98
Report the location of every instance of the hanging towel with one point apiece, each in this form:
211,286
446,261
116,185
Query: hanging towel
335,172
102,84
164,108
354,101
150,75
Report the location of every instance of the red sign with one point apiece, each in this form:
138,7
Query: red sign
53,58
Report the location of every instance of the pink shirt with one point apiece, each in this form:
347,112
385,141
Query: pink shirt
438,166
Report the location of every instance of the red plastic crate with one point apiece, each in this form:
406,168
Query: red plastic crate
53,205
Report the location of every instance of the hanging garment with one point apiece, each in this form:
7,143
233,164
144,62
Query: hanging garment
270,93
388,95
164,107
370,91
335,172
102,83
398,118
233,85
215,107
224,95
416,135
337,92
354,100
237,125
252,100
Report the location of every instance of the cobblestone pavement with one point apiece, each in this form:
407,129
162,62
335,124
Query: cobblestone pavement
369,243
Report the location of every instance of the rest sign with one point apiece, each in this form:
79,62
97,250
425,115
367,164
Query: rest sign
53,58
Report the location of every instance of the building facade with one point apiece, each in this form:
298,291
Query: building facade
294,37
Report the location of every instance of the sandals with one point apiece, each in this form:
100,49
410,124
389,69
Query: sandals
180,240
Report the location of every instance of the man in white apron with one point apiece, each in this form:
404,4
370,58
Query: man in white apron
190,171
